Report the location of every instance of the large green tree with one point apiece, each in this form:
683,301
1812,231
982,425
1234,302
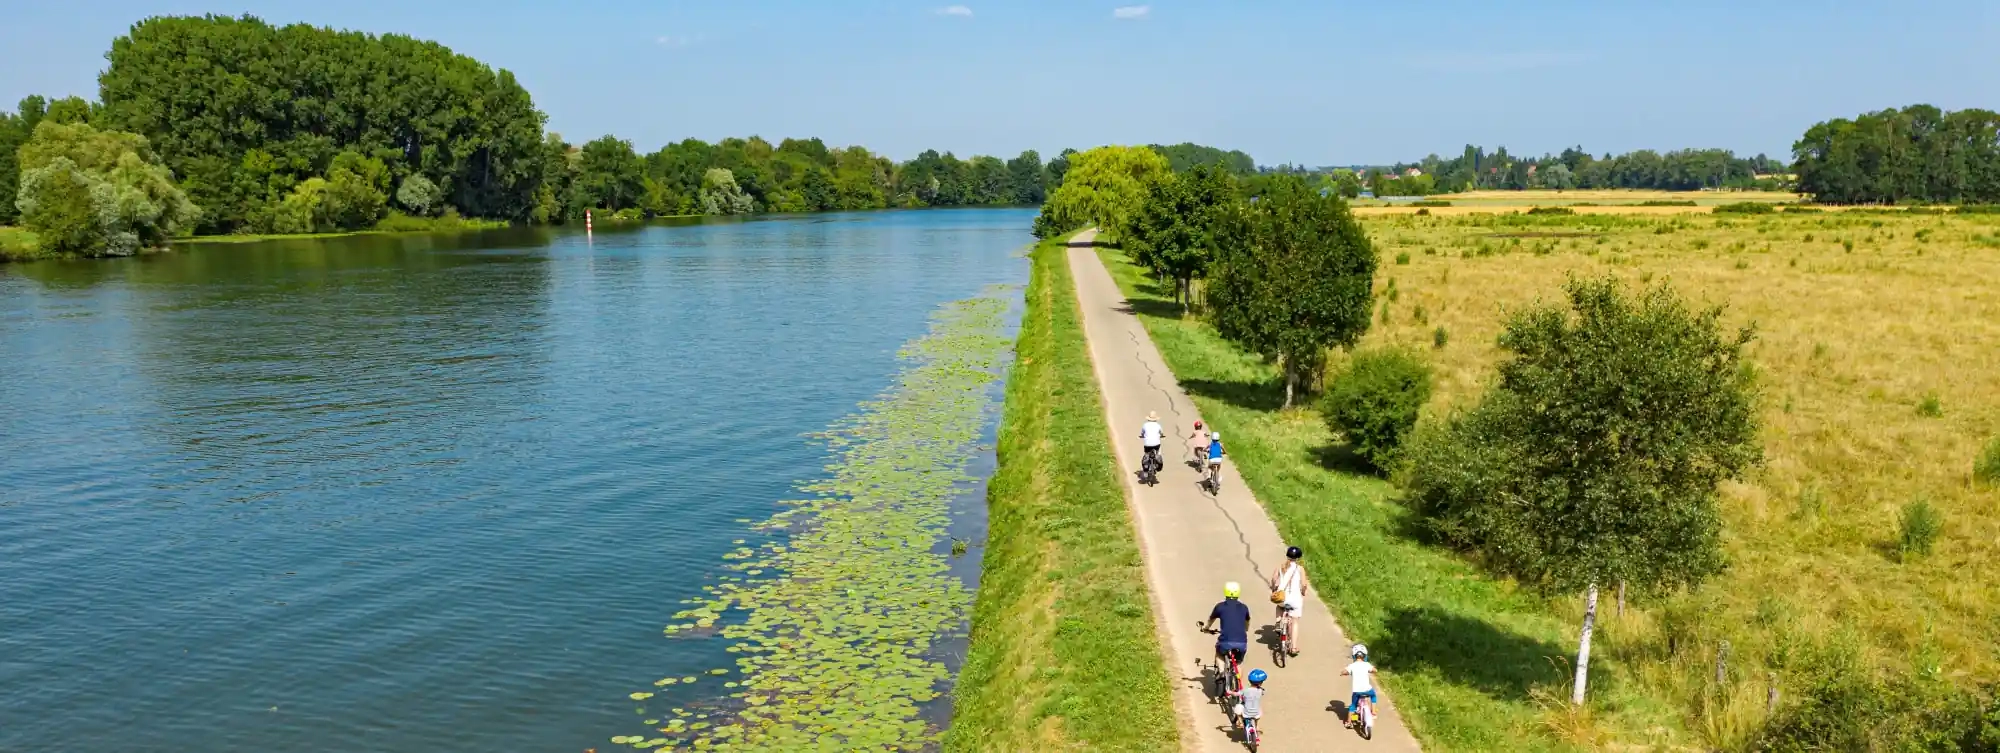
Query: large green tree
209,91
1294,275
609,175
89,191
1104,187
1174,231
1596,457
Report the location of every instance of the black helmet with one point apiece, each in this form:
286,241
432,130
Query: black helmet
1292,553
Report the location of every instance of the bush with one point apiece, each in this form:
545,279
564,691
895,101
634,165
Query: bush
1986,468
1746,207
419,195
1551,210
1440,337
1430,203
1930,406
1803,210
1423,213
1666,203
1918,534
1403,258
1836,703
1374,403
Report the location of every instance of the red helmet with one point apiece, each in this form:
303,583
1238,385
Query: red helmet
1197,423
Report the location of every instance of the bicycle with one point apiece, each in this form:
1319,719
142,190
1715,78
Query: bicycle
1149,467
1214,480
1250,734
1361,718
1229,685
1283,649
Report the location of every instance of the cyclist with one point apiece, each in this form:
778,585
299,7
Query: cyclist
1253,699
1233,640
1199,441
1363,685
1151,435
1214,456
1291,581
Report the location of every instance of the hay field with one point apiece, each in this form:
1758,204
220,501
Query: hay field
1879,358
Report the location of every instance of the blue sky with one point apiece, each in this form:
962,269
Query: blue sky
1311,82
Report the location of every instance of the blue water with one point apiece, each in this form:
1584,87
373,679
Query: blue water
420,493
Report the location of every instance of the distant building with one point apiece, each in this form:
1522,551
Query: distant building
1412,172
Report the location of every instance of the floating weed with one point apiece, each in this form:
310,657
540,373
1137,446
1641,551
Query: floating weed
835,648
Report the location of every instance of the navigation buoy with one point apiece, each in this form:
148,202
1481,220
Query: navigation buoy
586,221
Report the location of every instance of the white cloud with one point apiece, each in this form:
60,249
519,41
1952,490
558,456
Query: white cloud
1131,11
955,10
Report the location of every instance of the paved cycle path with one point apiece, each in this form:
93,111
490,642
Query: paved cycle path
1193,543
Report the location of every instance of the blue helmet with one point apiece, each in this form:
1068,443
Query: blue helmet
1257,676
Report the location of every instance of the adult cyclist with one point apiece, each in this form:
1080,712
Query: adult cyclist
1151,434
1291,581
1233,640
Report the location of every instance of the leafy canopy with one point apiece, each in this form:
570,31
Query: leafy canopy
1597,456
1104,187
1294,275
1374,403
1174,231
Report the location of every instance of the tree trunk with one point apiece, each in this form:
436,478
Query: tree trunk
1291,377
1621,599
1583,646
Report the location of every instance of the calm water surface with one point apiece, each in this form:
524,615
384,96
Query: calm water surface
421,493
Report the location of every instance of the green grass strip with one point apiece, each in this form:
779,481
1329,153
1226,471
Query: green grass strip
1474,664
1064,652
843,605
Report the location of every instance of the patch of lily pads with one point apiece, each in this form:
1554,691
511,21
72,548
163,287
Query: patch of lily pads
835,648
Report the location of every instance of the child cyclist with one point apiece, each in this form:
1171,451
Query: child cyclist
1363,685
1252,706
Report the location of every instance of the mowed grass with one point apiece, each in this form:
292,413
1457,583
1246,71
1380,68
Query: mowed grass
1064,653
1865,319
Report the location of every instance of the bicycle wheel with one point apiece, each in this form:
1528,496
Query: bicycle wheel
1367,723
1278,651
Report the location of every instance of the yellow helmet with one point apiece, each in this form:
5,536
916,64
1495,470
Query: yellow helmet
1232,590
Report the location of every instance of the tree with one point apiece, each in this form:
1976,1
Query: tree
1596,457
84,190
208,90
1104,187
1173,233
1294,275
721,195
609,175
419,195
1025,175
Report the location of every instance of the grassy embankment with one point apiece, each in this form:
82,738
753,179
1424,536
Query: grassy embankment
1064,653
19,244
1879,342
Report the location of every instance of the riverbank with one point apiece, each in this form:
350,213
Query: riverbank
1063,653
20,244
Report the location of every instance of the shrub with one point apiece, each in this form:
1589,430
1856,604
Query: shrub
1551,210
419,195
1374,403
1403,258
1665,203
1803,210
1423,213
1930,406
1430,203
1746,207
1918,532
1986,467
1440,337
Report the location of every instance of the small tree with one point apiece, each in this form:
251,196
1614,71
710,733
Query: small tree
1294,275
419,195
1596,457
85,190
1173,233
1374,403
721,195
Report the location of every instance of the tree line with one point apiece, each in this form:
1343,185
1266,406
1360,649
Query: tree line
1916,154
1574,168
293,129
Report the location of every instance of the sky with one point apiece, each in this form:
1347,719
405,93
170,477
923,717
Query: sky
1316,83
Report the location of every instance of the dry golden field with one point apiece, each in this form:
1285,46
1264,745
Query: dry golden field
1879,361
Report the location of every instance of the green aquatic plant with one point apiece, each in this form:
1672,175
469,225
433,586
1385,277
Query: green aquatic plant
841,609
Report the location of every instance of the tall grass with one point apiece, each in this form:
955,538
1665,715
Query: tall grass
1064,655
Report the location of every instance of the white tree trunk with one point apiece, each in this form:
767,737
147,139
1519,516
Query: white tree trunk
1583,646
1291,376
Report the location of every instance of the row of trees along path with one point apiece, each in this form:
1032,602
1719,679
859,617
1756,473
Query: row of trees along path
1193,543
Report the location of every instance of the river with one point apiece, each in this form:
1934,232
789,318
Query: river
434,492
